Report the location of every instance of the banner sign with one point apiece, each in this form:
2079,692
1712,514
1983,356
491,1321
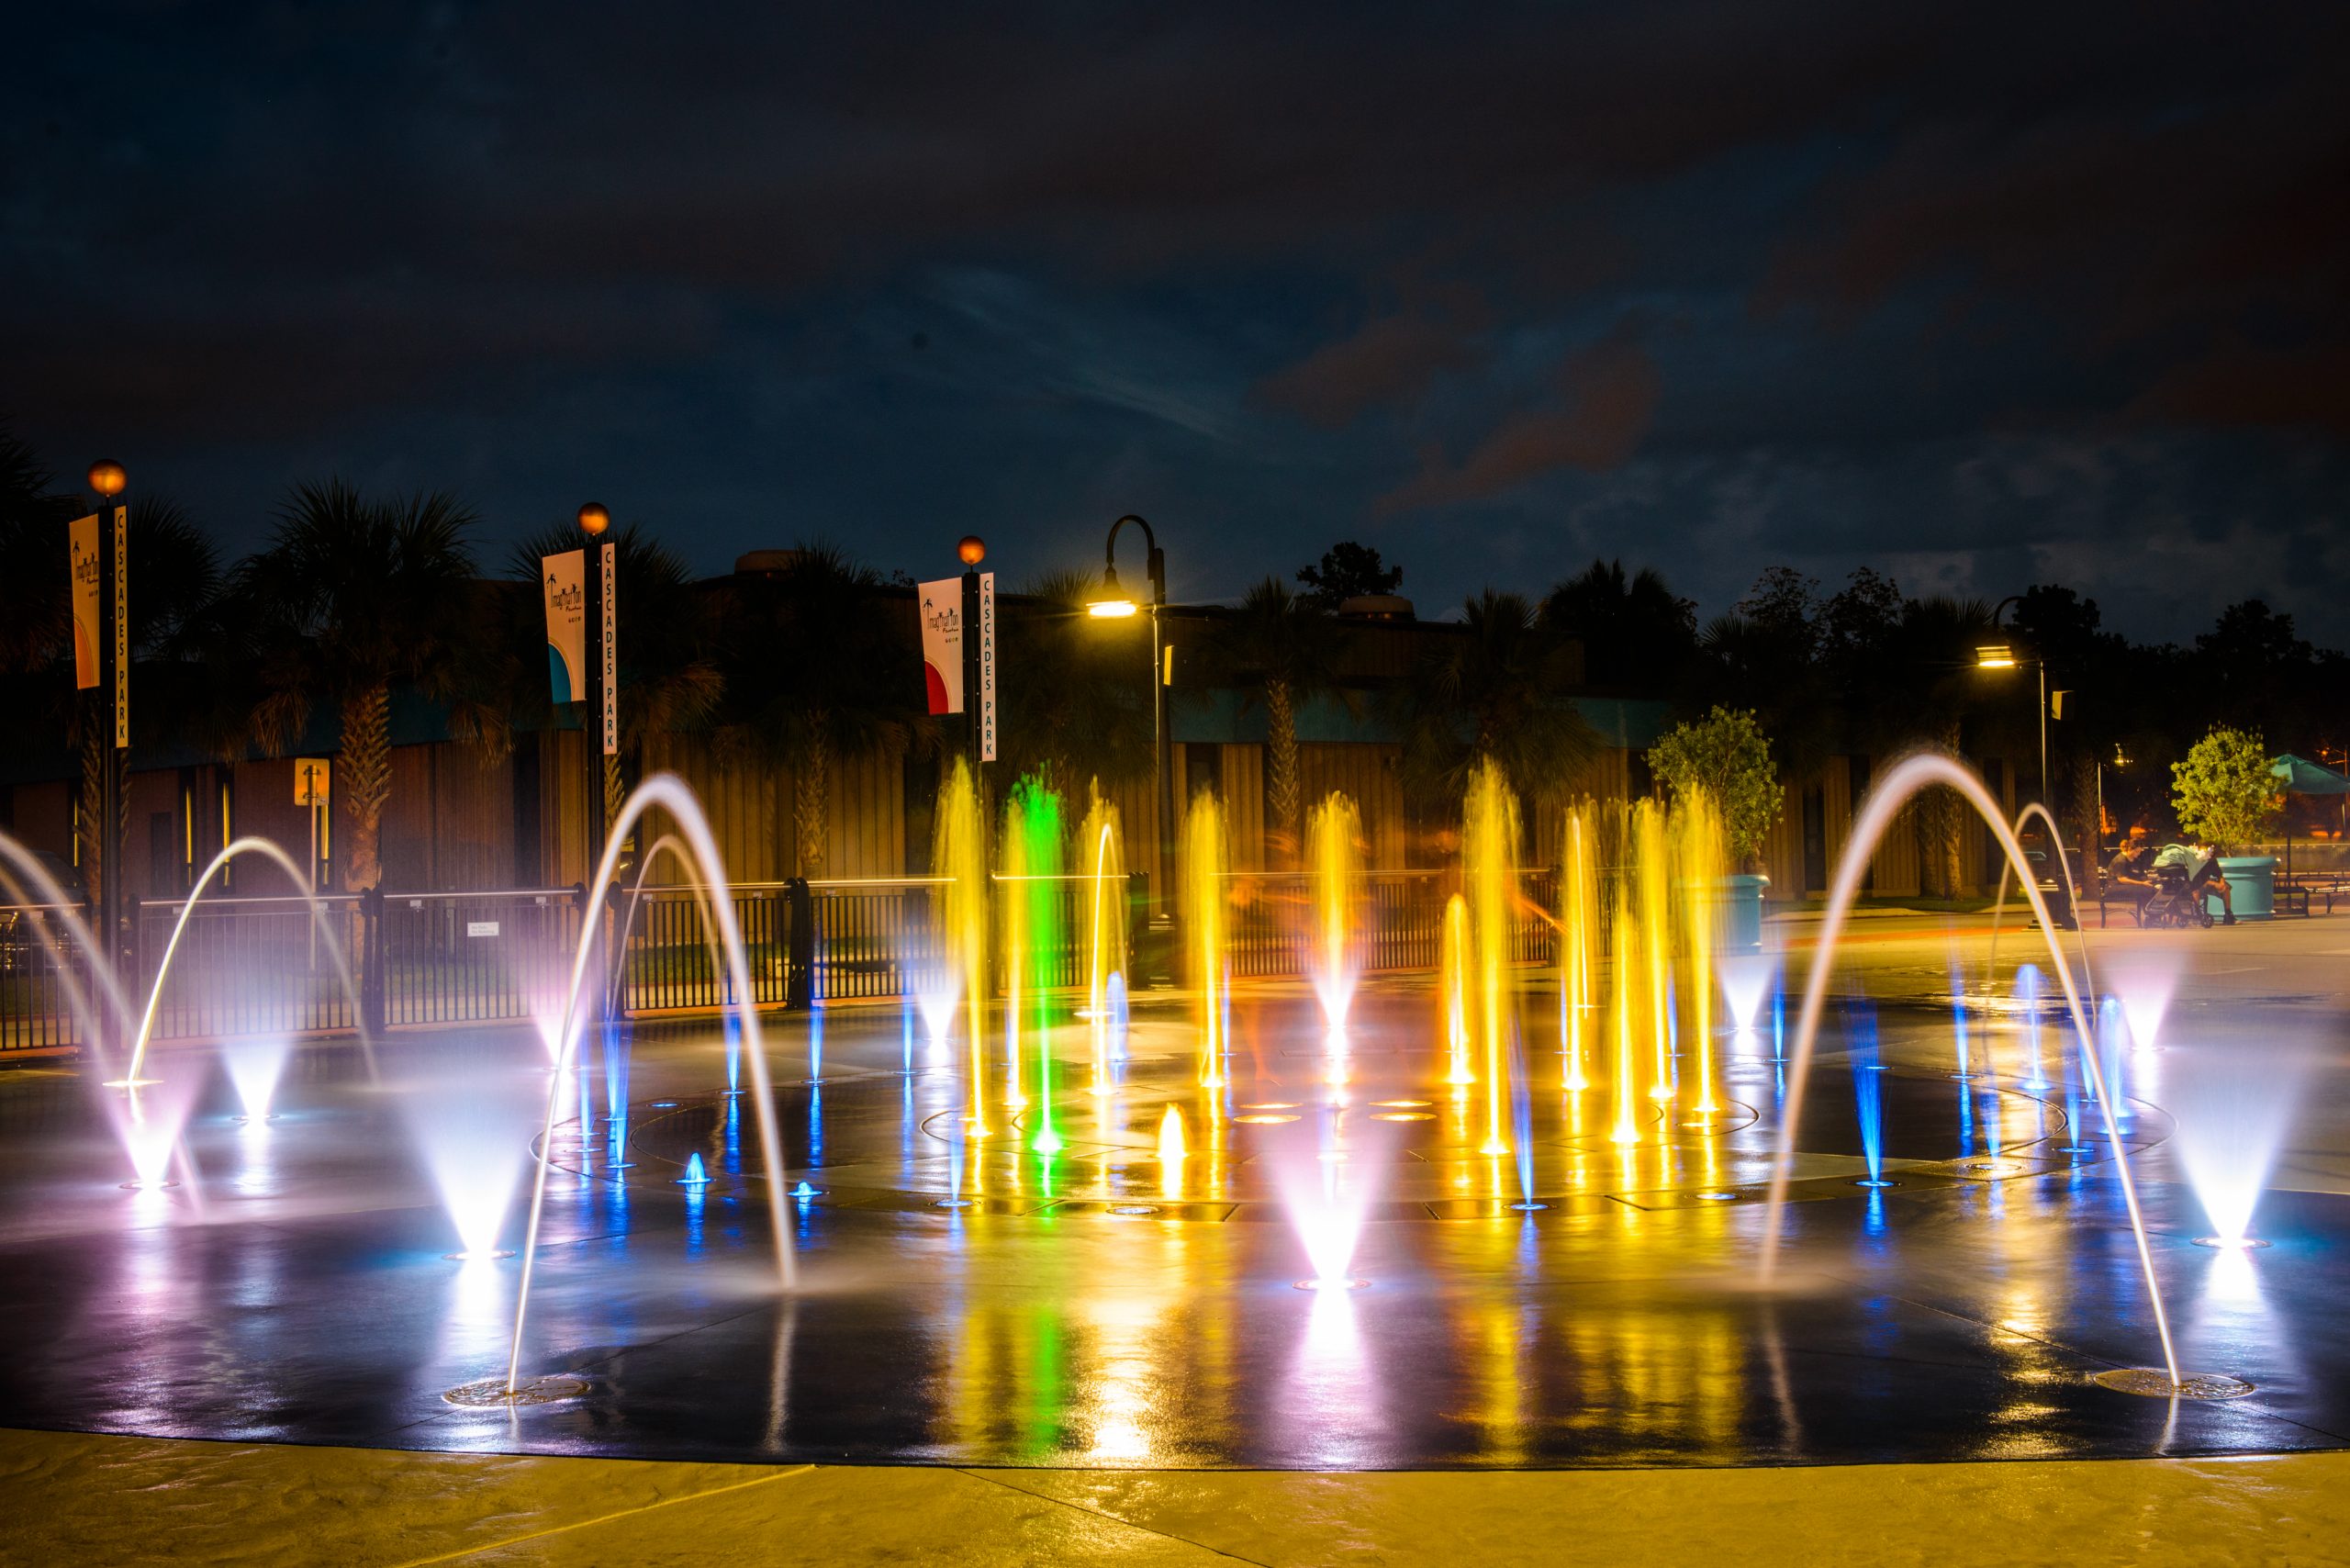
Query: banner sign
565,587
987,667
609,573
121,627
82,545
941,643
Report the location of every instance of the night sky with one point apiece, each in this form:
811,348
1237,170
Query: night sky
1981,295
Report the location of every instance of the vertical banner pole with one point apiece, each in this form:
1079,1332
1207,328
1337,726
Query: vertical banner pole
971,696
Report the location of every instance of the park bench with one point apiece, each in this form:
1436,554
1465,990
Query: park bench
2295,889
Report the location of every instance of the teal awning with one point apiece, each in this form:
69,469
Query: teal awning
2302,777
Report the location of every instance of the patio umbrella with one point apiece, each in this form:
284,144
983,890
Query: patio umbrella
2302,777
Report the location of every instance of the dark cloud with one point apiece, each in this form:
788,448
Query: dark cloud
1390,360
1282,274
1609,394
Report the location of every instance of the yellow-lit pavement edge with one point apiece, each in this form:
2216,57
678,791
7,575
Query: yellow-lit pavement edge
71,1499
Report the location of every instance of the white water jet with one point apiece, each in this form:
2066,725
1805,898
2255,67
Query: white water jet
1745,982
2142,982
2236,1108
464,1129
267,849
670,792
255,1064
1907,779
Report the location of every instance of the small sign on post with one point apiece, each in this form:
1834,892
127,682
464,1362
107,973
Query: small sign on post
313,787
987,667
609,573
121,627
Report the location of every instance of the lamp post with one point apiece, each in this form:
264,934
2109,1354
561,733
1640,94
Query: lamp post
1116,604
599,711
108,481
972,550
2002,656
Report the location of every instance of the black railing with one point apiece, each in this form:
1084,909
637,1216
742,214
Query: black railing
36,997
264,965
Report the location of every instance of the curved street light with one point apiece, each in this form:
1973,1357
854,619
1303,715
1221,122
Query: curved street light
2002,656
1115,604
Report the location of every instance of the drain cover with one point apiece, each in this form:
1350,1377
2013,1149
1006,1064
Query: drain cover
2155,1383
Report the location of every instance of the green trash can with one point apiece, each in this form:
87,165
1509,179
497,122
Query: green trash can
1742,926
2251,882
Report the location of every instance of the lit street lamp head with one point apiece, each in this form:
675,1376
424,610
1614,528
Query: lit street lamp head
594,520
1113,604
1994,656
107,476
972,550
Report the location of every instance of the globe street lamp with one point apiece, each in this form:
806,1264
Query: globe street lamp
2002,656
1113,603
108,481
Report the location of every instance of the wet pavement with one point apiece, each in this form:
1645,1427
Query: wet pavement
293,1286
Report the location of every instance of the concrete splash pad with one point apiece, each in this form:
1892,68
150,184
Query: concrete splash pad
299,1292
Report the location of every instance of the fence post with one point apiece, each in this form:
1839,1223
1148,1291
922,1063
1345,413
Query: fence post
372,987
799,944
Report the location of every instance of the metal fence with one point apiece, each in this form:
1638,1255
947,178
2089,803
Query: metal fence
265,965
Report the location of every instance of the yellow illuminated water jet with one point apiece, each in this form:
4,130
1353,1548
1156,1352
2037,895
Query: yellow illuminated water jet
1204,910
1171,1154
1332,833
1699,856
959,854
1489,872
1453,973
1578,939
1627,983
1105,927
1653,869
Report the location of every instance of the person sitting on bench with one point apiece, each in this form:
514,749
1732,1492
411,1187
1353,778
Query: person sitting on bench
2129,876
2202,864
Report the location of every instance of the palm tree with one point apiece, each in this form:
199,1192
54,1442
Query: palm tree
1077,692
350,598
818,670
668,669
1497,690
1635,631
1288,648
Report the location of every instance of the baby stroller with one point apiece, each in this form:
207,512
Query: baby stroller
2176,902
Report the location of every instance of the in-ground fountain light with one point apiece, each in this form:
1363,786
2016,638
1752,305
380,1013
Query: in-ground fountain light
463,1131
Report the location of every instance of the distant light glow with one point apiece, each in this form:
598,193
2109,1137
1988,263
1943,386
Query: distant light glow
1111,609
